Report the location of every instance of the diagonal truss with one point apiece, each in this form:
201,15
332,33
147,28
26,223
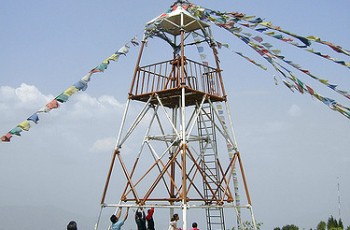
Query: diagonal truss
167,171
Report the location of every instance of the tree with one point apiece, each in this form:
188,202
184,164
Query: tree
277,228
340,224
249,225
322,226
290,227
333,224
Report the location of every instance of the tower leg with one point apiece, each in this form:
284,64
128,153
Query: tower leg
253,218
184,217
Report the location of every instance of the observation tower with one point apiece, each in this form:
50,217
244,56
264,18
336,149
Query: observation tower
176,149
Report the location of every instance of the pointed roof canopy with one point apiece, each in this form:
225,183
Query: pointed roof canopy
175,20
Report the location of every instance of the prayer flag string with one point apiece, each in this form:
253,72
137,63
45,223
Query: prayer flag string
81,85
253,22
234,21
277,54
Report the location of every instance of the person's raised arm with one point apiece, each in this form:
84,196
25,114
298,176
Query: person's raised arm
119,212
126,214
150,213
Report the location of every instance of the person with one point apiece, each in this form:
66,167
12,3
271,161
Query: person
72,225
194,226
117,223
140,219
173,222
149,219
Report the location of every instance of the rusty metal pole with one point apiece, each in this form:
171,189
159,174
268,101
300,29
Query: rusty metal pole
244,179
116,151
215,52
137,66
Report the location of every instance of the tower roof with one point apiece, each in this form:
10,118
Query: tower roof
171,22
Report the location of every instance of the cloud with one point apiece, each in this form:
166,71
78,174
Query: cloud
110,101
25,96
29,96
103,145
81,113
28,93
6,92
85,107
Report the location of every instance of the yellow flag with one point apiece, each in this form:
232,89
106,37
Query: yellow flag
268,24
70,91
314,38
24,125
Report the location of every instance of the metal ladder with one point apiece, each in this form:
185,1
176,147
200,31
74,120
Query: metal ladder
208,149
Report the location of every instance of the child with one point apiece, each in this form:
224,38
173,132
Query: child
194,226
173,222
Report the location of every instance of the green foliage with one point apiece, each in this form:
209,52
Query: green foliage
322,226
249,226
340,224
333,224
290,227
287,227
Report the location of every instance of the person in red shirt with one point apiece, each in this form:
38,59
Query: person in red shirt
149,219
194,226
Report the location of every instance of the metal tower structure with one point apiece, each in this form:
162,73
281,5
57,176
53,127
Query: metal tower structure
175,150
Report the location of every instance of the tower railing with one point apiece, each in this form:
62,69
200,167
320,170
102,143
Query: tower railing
166,75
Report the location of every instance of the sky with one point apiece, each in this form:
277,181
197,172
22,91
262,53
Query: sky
295,150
